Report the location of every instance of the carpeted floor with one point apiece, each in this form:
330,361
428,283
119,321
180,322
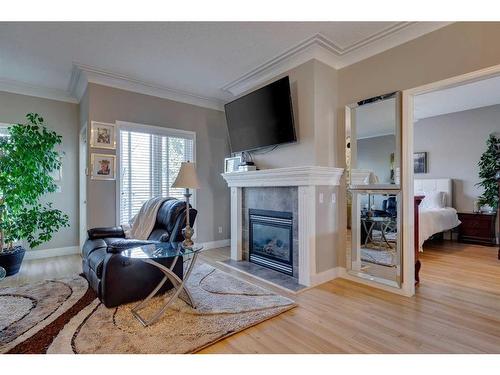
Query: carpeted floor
30,314
225,306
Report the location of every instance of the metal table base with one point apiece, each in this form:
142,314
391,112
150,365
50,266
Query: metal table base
178,284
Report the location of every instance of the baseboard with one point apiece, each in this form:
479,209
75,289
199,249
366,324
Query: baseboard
49,253
216,244
327,275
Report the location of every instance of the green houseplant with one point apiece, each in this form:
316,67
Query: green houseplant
489,164
27,158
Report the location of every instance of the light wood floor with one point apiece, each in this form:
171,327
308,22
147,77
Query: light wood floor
456,309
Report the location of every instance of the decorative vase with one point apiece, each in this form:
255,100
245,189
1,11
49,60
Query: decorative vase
11,260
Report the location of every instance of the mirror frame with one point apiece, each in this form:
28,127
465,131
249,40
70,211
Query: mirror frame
354,190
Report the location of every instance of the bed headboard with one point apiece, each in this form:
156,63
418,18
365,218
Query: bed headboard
435,184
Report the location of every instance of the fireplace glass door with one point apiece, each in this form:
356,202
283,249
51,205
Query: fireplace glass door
271,239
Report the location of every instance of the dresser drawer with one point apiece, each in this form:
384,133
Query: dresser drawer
477,228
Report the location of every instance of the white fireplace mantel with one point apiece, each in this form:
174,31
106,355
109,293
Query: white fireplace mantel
291,176
307,179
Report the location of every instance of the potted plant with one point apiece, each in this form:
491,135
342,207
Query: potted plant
27,158
489,164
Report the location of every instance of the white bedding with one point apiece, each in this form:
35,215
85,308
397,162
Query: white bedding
435,220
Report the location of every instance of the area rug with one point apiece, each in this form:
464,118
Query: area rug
225,306
64,316
27,310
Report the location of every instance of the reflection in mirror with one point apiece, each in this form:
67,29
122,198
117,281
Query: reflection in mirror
375,248
373,133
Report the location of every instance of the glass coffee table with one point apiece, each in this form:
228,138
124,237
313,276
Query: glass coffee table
163,250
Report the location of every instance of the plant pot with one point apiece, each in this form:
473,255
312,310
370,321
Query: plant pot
11,260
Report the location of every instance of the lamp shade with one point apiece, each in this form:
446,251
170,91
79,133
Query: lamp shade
187,177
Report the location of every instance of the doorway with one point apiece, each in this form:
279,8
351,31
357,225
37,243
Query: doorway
441,168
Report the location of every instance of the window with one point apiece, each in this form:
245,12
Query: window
149,161
4,130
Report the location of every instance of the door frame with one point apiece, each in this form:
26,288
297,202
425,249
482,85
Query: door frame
407,157
82,182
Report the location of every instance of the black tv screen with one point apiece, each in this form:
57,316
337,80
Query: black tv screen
262,118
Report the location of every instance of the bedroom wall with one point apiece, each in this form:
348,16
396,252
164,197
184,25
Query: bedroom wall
456,49
63,118
108,104
454,143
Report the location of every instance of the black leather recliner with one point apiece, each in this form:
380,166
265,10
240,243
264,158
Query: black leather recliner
117,279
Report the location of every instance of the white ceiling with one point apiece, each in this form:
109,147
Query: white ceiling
196,59
461,98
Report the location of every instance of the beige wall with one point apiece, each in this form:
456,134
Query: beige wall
314,98
61,117
453,50
108,104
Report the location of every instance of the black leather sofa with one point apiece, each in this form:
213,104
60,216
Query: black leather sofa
117,279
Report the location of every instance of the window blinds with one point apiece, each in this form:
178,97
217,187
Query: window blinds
149,164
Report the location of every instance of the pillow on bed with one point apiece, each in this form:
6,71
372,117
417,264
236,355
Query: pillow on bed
433,200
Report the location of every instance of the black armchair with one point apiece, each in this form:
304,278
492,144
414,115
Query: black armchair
118,280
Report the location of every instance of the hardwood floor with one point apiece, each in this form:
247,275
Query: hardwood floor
456,309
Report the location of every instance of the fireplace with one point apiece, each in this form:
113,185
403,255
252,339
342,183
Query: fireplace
271,239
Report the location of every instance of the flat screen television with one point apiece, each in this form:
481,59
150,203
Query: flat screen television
262,118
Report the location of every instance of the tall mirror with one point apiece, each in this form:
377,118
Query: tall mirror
373,130
373,148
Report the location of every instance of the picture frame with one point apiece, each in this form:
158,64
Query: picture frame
102,167
419,162
103,135
232,164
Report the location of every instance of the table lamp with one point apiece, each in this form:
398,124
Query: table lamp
187,179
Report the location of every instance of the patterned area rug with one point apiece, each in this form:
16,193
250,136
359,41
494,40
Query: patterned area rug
28,309
225,305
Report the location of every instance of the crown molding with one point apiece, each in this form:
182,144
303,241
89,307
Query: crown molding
83,74
23,88
321,48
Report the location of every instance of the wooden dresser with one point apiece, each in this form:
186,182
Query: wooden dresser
477,228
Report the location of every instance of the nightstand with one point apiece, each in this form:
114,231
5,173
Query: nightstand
477,228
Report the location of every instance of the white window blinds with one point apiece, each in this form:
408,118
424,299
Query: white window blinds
149,164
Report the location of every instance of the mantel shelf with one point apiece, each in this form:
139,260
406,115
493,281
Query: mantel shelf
291,176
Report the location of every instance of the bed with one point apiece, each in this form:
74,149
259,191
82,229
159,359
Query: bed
436,213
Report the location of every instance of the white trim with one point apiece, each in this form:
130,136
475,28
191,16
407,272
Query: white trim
291,176
328,275
83,74
216,244
321,48
236,224
407,161
23,88
307,234
401,291
49,253
155,129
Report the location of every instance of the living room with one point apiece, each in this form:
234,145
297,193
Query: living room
165,191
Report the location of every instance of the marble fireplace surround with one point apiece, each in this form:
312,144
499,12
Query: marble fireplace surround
308,183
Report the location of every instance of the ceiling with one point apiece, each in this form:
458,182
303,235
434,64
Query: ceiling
198,62
460,98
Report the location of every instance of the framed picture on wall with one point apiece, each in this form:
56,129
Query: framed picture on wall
103,167
103,135
420,162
